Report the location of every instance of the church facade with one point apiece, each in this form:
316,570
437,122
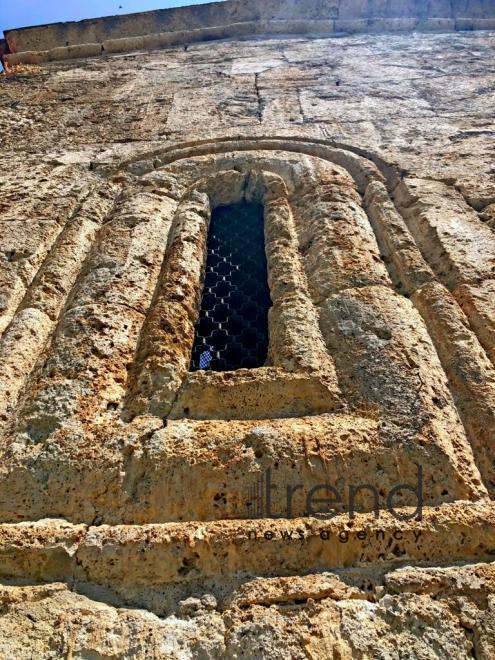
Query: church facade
247,333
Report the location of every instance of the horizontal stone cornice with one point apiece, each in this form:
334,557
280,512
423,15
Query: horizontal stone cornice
236,19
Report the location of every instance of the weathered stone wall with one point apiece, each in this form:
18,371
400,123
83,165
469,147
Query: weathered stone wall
127,485
237,18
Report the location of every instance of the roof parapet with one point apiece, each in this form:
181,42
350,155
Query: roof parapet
237,19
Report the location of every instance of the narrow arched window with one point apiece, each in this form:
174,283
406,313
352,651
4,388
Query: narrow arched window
232,328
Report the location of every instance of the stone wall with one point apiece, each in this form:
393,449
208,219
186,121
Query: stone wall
131,489
237,18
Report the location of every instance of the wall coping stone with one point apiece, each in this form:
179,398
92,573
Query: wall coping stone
180,26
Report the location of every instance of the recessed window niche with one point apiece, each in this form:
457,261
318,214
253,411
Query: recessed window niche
233,332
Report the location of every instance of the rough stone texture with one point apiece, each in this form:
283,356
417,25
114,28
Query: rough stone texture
130,489
408,612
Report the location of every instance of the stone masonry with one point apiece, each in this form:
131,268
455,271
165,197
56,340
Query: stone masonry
149,511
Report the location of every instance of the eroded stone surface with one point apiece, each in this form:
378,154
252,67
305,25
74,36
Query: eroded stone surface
373,155
424,612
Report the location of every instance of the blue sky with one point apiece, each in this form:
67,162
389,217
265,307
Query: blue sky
22,13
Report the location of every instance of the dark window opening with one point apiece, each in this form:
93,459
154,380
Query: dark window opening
232,328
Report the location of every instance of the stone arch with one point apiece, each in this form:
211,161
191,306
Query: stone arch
170,175
408,268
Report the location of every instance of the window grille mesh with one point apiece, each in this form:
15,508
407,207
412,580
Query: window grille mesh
232,329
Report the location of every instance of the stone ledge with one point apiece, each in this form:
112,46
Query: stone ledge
174,553
318,27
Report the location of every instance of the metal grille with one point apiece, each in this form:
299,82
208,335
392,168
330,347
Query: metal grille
232,329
